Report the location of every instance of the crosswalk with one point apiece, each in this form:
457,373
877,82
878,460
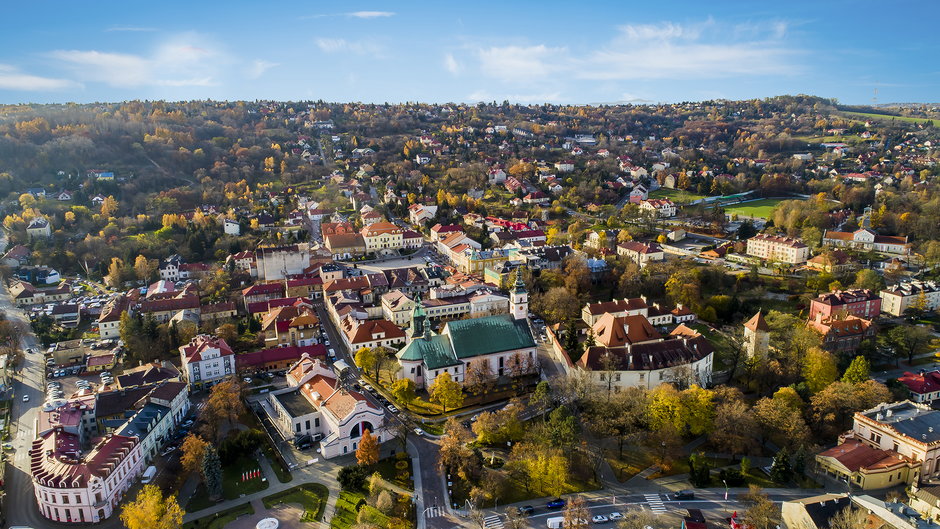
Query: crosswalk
656,503
493,521
433,512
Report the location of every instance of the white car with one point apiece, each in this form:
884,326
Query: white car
25,398
614,516
600,518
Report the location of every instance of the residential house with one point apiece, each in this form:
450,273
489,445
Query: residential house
170,268
868,240
17,256
859,302
835,262
278,262
420,213
24,294
842,334
638,194
592,312
778,248
278,358
206,361
924,386
345,245
109,322
911,294
382,238
641,253
662,207
39,228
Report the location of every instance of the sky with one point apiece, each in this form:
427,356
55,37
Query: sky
541,51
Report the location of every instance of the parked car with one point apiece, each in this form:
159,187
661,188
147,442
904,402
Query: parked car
556,503
526,510
599,518
419,431
25,398
615,516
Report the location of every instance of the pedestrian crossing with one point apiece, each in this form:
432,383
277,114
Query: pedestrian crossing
434,512
656,503
494,521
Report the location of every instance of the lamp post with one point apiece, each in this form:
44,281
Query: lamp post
726,489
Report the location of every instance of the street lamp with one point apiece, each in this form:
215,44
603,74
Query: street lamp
726,489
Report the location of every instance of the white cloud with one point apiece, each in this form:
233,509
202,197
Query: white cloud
332,45
353,14
663,31
450,64
11,78
371,14
704,50
183,60
259,66
520,63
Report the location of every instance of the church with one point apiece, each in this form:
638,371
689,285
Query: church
497,346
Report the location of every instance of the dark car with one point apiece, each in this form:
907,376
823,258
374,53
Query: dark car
684,495
526,510
557,503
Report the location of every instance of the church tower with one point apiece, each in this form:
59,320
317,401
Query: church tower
756,336
519,298
419,320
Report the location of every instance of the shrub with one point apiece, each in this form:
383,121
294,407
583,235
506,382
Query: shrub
401,465
732,477
353,477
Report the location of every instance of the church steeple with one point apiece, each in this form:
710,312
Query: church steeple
419,320
519,297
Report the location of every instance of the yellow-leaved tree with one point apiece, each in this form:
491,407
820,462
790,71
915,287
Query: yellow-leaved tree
150,510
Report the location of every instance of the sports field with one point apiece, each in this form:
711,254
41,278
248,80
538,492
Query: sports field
884,117
755,208
676,195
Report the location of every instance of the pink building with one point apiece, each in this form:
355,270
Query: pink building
858,302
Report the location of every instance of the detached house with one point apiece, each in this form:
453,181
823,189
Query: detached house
206,361
39,228
663,207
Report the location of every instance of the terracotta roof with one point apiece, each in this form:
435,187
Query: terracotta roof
344,240
640,247
163,305
363,332
379,228
856,455
850,326
648,356
786,241
194,349
757,323
615,331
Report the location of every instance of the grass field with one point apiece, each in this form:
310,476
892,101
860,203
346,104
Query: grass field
756,208
311,496
676,195
884,117
221,519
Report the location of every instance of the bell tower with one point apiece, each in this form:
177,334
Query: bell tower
519,298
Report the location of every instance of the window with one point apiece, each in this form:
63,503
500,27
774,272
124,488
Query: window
65,499
895,447
308,424
642,377
297,427
316,422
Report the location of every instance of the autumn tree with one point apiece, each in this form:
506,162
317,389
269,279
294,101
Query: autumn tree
150,510
115,273
108,207
909,340
781,420
446,392
576,513
404,391
849,518
833,407
734,428
192,452
368,451
868,278
819,369
455,455
144,268
621,415
367,360
224,404
761,512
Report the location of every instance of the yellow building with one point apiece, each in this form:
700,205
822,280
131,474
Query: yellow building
867,468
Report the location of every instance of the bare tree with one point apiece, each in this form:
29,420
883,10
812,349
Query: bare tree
849,518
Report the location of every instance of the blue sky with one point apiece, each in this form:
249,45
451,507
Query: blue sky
523,51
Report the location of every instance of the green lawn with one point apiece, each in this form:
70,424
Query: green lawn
402,477
676,195
232,485
883,117
220,519
311,496
348,506
756,208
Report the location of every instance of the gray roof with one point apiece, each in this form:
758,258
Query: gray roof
919,423
296,404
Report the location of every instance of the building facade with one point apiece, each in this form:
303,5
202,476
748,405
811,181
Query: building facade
776,248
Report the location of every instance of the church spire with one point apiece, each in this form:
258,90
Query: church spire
419,320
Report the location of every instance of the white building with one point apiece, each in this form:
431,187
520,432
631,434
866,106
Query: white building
231,227
170,268
663,207
206,361
916,293
278,262
866,239
641,253
776,248
317,403
39,227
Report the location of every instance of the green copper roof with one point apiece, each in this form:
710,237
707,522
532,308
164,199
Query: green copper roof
492,334
435,350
